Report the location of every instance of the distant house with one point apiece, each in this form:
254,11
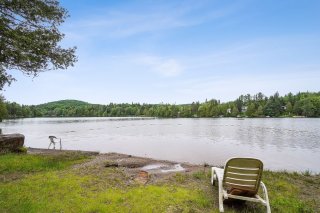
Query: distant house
244,109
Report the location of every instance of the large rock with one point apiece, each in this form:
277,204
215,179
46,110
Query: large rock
11,142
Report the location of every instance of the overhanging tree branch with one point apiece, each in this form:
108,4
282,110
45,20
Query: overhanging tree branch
29,38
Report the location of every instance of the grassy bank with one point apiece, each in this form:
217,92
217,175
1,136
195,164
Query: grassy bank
34,183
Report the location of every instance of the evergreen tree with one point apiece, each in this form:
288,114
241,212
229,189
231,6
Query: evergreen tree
251,110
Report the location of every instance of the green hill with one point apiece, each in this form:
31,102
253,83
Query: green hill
62,103
62,108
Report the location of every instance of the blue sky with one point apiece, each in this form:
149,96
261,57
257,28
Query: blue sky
181,51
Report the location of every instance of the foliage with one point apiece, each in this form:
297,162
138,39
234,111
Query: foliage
22,150
302,104
3,108
30,38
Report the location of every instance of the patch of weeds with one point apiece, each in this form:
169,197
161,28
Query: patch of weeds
180,178
295,173
21,150
285,192
201,175
205,164
307,173
290,204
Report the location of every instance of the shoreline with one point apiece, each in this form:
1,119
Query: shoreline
120,159
152,118
140,169
145,161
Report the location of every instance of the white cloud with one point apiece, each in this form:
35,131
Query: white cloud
169,68
165,67
123,22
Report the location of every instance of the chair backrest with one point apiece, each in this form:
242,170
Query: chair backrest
243,174
52,138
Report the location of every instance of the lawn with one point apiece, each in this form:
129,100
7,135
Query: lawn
42,183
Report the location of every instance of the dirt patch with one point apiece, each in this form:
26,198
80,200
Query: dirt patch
142,177
133,167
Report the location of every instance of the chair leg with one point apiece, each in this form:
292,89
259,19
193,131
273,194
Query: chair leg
265,194
213,176
221,209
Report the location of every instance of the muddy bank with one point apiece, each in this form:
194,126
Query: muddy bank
138,169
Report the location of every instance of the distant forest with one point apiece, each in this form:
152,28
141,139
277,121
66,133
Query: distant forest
305,104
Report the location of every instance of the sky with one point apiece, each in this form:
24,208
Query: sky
181,51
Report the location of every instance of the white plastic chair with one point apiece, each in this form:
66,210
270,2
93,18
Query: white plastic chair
240,179
53,142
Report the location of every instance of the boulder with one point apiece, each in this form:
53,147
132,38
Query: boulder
11,142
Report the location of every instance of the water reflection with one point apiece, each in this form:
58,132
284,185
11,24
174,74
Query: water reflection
291,144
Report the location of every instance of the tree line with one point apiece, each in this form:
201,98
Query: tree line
305,104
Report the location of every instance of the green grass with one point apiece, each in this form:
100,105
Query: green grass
57,191
33,163
49,184
288,192
293,192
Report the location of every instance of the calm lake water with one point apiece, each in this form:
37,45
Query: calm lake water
284,143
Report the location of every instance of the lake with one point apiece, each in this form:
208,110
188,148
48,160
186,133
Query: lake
281,143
